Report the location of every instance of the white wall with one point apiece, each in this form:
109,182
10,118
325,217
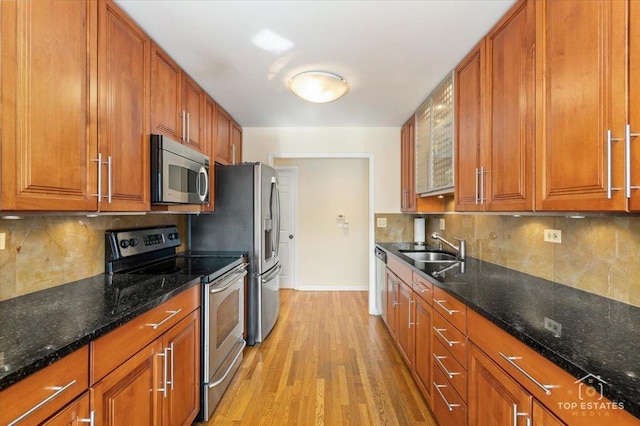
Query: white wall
332,258
382,142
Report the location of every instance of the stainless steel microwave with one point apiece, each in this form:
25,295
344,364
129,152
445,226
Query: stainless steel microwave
179,174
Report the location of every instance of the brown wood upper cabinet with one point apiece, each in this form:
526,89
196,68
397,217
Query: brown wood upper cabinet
177,102
123,95
580,146
228,139
495,117
49,105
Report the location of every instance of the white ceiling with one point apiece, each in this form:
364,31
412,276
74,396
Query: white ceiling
392,53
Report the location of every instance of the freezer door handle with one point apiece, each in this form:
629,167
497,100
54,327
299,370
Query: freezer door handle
274,273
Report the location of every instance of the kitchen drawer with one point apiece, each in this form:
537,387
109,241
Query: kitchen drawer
448,406
451,338
455,373
534,372
111,350
423,288
450,308
57,384
399,268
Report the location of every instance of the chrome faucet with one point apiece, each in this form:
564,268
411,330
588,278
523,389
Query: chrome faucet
461,249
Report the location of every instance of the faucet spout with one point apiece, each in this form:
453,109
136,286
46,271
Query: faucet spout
461,249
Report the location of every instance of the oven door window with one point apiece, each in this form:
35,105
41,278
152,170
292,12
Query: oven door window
227,317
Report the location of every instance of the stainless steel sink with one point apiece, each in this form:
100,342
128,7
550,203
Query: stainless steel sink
431,256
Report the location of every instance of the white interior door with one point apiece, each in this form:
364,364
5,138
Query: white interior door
288,186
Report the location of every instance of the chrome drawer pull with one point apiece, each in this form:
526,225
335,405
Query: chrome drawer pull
510,359
173,314
449,311
449,406
449,342
58,390
422,289
451,374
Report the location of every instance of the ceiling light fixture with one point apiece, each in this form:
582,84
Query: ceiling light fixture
318,86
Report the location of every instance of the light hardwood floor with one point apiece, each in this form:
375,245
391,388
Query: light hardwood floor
326,362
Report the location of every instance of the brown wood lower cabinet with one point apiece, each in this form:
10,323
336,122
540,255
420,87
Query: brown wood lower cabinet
158,385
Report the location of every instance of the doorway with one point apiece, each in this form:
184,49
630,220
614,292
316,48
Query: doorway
336,224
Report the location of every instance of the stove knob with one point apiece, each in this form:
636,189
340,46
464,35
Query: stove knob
133,242
124,243
174,236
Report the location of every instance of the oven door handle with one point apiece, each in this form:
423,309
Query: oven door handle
227,282
231,364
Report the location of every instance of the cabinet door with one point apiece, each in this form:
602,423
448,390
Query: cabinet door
223,137
131,394
580,86
75,413
404,324
236,143
469,195
634,103
166,95
49,105
407,166
421,369
123,72
494,397
183,382
193,107
510,72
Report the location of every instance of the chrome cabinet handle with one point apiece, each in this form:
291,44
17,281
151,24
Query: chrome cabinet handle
163,389
184,125
516,415
170,348
451,374
410,302
173,314
449,405
91,420
627,160
58,390
109,179
99,161
476,194
610,141
188,127
449,311
481,196
510,359
449,342
233,154
422,289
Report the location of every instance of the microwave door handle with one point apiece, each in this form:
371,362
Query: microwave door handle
202,172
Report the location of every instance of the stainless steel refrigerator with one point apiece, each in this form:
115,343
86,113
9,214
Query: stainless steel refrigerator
247,218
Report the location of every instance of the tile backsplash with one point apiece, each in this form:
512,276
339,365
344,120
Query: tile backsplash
46,251
597,254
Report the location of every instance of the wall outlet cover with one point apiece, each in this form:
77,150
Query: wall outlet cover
381,222
553,236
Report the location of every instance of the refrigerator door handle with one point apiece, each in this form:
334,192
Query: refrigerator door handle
271,275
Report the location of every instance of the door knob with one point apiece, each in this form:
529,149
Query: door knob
290,237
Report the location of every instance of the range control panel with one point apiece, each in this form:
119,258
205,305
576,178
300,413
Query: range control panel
130,242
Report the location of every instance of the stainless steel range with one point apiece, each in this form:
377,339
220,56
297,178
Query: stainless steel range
151,254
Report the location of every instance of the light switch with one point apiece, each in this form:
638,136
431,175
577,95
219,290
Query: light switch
3,237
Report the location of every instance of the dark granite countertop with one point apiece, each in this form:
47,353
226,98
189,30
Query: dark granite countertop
39,328
599,336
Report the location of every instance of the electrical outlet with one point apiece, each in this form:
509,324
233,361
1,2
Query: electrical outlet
553,236
442,224
553,326
381,222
